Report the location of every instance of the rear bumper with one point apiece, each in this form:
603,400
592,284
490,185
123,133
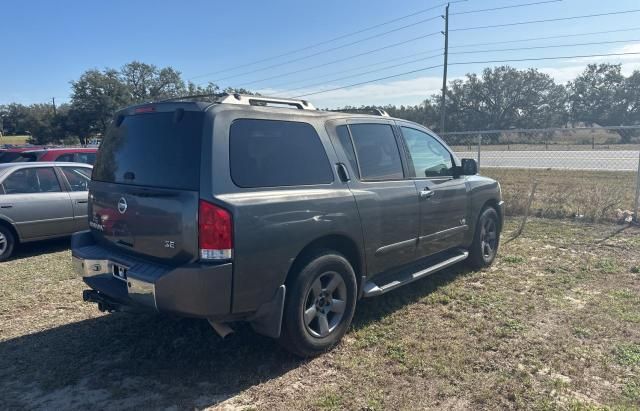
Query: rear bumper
194,290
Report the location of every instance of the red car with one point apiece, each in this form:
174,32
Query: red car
11,154
75,155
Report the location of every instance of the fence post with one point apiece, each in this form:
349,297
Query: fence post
480,144
635,202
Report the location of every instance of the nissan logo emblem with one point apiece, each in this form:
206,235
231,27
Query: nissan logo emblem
122,205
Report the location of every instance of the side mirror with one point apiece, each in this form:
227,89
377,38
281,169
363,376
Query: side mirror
469,167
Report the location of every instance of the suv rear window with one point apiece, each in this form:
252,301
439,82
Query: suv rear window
155,150
272,153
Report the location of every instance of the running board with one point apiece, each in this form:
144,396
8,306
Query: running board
372,289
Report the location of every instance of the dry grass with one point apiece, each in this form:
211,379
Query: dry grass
555,323
14,139
587,195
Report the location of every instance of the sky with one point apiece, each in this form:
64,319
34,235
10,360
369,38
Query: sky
289,48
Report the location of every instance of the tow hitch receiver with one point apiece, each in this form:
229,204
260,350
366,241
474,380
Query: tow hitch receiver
104,303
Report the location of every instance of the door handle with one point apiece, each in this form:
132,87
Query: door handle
426,193
343,173
6,206
82,201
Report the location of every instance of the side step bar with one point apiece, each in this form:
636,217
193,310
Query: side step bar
372,289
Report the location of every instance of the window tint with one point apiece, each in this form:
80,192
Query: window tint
267,153
377,151
32,180
156,150
65,157
428,157
77,178
87,158
345,140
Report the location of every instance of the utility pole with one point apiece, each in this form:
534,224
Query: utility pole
444,73
53,99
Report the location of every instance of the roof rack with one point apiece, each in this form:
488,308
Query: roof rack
246,99
370,111
251,100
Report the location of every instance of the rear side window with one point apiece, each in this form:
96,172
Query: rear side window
77,178
156,150
377,151
268,153
87,158
65,157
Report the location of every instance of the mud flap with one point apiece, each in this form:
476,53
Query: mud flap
268,319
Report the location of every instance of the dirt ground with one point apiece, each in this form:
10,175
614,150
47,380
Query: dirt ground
554,324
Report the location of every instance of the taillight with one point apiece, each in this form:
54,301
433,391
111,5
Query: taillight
215,228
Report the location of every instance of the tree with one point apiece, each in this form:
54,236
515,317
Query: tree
14,118
601,95
504,97
95,98
146,82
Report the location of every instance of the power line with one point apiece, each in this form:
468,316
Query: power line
546,58
367,72
545,38
506,7
466,63
330,49
352,69
476,52
546,20
308,68
546,47
369,81
329,40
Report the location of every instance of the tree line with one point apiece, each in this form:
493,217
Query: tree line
498,98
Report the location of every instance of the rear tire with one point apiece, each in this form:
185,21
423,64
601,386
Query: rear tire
486,239
7,243
319,305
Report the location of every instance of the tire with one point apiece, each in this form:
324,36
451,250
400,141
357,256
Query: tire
486,239
7,243
312,321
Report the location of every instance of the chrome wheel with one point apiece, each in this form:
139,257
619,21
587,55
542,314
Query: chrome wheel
489,238
325,304
3,243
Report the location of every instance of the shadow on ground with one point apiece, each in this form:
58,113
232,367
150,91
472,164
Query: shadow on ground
126,361
37,248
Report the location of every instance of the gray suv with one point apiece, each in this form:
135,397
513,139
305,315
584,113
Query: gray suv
268,211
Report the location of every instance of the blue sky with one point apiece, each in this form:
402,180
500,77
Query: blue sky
47,44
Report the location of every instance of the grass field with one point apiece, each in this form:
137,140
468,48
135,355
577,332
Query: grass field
554,324
586,195
14,139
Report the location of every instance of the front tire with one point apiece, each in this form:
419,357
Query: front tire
486,239
319,306
7,243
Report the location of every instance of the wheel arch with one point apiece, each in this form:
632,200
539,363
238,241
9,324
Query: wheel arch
333,242
9,225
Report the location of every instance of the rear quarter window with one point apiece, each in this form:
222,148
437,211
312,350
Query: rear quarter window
272,153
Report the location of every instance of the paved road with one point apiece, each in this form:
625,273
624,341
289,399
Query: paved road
572,160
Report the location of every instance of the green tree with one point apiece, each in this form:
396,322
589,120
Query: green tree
601,95
95,97
504,97
146,82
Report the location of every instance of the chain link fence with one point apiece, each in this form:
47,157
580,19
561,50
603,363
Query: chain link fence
586,173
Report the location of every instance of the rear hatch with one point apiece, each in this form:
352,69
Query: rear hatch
144,194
